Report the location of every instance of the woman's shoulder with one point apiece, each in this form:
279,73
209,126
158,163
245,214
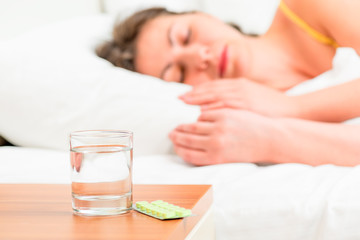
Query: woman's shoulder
310,9
337,19
317,9
328,16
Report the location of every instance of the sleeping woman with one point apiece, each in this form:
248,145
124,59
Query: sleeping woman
240,81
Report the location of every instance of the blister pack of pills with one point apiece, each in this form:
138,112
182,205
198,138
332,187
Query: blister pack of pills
161,210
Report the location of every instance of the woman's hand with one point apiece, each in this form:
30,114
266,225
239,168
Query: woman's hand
242,94
223,136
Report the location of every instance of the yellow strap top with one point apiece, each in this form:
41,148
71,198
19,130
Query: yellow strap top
302,24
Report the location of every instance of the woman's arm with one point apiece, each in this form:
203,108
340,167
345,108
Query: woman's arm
340,20
333,104
317,143
226,135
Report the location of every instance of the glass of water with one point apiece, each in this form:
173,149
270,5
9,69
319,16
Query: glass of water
101,172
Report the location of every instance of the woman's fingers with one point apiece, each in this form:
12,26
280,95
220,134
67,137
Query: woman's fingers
191,140
75,160
198,99
201,128
216,95
212,115
234,104
207,92
193,156
214,105
188,140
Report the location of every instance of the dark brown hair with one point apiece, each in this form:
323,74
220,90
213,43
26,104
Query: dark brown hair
121,50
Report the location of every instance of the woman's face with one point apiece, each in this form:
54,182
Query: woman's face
190,48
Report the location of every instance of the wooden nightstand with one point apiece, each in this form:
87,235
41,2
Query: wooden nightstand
43,211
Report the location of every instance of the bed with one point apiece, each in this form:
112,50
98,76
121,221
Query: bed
52,83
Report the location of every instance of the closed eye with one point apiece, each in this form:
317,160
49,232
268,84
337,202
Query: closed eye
182,67
182,74
188,36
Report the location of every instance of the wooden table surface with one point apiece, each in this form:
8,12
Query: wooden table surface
43,211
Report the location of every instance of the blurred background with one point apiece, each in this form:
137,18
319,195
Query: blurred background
18,16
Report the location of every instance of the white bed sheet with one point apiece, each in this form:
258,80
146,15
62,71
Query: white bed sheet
287,201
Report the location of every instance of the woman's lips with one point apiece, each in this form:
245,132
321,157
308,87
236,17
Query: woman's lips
223,62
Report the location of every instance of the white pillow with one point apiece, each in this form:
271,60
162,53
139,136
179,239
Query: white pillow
253,16
53,83
124,8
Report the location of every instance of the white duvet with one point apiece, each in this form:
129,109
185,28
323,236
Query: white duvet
287,201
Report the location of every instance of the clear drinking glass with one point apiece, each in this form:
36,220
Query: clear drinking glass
101,172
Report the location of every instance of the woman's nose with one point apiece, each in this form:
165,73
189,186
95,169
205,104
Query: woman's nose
194,56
